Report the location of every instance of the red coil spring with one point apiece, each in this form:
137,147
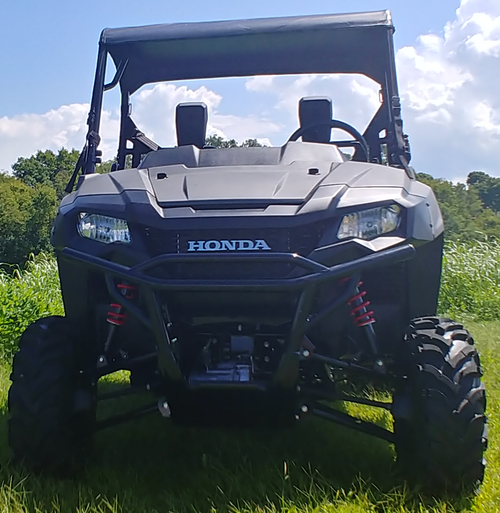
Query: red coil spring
359,308
127,291
115,315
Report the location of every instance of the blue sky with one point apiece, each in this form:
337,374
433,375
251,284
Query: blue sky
53,43
448,58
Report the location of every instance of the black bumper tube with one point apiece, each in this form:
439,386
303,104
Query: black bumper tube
318,275
315,274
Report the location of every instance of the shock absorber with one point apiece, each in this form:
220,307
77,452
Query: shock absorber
363,317
359,308
116,317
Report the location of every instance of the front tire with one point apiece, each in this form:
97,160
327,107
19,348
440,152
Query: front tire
439,408
51,399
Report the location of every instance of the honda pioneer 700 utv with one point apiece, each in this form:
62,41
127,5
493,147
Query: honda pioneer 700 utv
257,284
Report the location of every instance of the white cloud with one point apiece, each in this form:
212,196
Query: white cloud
154,113
354,97
450,94
261,83
23,135
236,127
154,109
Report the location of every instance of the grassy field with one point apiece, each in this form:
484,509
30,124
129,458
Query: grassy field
152,466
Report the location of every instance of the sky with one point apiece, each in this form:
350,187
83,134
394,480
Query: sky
448,63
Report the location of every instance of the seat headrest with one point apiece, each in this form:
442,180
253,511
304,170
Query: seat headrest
191,124
315,109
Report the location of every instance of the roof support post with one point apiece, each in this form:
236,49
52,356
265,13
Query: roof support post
124,115
94,119
400,152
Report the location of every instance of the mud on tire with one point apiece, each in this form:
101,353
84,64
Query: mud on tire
439,408
51,402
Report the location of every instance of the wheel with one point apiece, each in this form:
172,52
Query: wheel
51,399
439,408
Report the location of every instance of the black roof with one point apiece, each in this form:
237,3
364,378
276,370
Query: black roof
336,43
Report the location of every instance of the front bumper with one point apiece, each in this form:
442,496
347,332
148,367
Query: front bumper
305,286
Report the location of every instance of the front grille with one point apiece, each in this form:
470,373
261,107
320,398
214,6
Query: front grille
302,240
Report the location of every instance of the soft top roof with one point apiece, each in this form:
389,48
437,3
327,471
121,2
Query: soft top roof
337,43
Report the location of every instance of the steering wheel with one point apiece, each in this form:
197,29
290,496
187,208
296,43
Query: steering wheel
358,142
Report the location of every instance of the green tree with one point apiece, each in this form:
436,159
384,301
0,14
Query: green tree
39,225
219,142
47,168
29,201
105,167
488,188
465,214
251,143
26,215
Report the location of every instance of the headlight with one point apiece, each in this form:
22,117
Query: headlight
370,223
103,228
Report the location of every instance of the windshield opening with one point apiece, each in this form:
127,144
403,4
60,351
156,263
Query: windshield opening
264,108
260,108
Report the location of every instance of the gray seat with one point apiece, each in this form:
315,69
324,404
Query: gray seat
191,124
312,110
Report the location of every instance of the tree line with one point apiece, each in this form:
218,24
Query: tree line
471,210
30,195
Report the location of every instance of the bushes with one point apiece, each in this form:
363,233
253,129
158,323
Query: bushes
26,295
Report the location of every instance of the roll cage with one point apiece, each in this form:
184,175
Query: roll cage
341,43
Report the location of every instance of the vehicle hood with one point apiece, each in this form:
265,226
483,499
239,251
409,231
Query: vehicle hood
292,184
284,189
235,185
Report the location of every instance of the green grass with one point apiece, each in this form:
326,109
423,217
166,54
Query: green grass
153,466
471,280
150,465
